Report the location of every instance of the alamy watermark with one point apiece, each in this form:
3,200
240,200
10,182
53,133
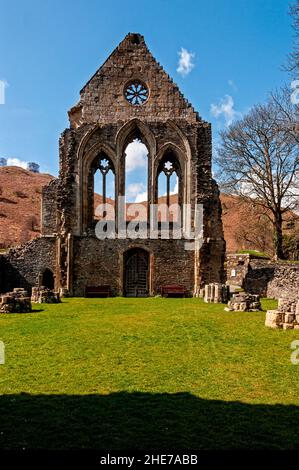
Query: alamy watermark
165,222
3,85
2,353
295,92
294,356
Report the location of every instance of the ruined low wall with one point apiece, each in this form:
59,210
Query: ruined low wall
262,276
274,280
236,268
285,282
21,267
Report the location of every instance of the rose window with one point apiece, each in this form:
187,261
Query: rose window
136,92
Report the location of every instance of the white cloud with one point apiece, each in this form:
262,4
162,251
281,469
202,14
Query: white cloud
141,197
176,187
136,192
12,161
185,62
226,109
136,156
134,188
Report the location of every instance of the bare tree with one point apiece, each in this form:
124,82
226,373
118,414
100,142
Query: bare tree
291,245
258,160
255,230
293,58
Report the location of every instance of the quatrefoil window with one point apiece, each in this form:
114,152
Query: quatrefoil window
105,165
168,168
136,92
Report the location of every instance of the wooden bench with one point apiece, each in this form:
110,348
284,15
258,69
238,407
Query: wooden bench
98,291
173,290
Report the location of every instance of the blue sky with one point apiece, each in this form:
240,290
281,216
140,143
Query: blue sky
49,49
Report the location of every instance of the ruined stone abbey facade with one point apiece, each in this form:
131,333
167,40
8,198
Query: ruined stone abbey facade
130,96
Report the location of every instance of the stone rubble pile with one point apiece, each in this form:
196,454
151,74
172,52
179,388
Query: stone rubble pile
215,292
286,315
17,301
43,295
243,302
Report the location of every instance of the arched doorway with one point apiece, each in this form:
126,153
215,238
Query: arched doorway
48,279
136,273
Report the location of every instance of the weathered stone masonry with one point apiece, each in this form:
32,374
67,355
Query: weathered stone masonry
22,267
263,276
103,123
274,280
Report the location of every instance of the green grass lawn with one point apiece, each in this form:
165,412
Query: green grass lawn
146,373
257,254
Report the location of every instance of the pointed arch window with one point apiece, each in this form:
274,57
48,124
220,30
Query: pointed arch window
136,178
169,178
169,188
104,184
105,165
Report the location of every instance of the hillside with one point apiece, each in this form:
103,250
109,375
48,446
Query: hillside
20,200
245,226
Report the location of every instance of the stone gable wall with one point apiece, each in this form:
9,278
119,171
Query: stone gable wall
102,98
103,121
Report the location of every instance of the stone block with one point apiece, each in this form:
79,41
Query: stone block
216,293
289,318
288,326
15,302
273,318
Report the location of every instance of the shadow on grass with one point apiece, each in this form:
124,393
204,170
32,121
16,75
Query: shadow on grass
15,314
143,421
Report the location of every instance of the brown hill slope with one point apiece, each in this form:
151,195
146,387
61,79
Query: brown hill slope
245,225
20,199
